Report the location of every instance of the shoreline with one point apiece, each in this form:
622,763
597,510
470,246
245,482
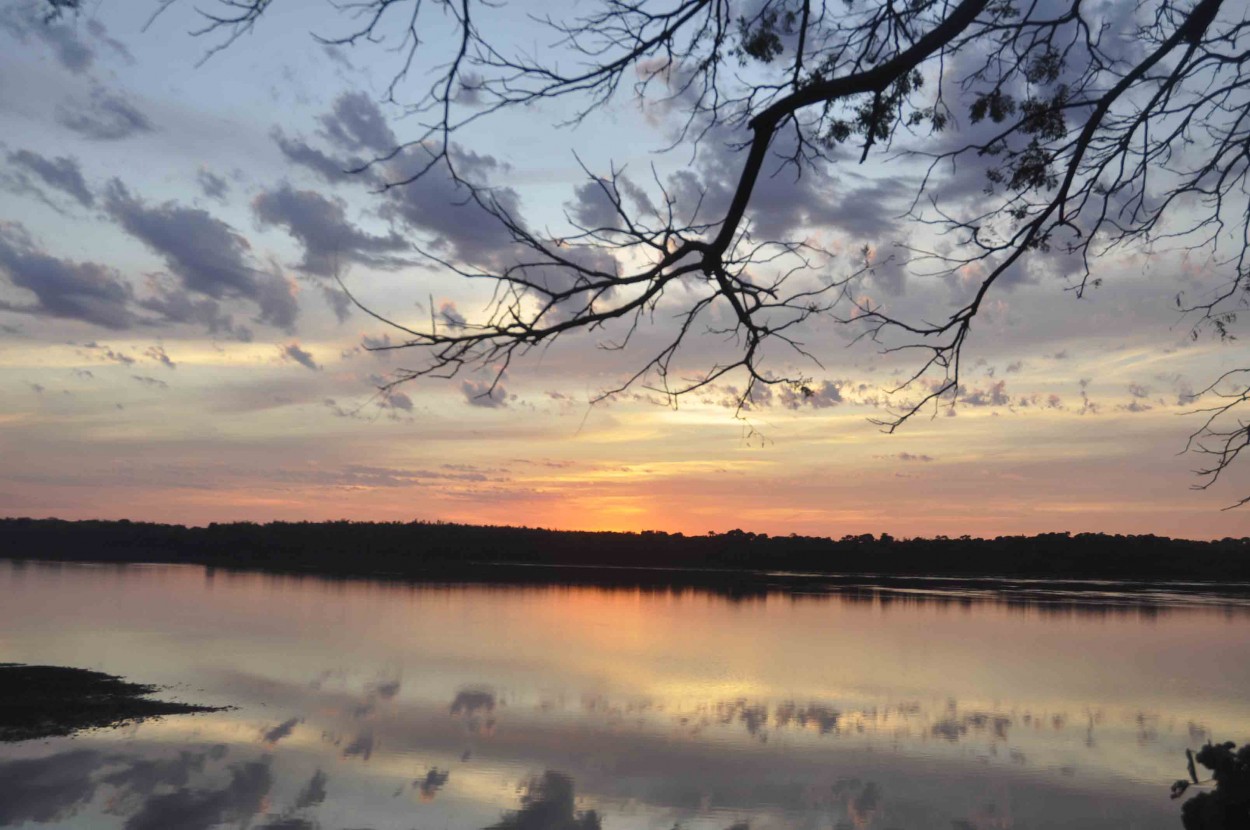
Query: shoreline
440,551
40,702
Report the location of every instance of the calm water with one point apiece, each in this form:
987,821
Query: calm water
379,705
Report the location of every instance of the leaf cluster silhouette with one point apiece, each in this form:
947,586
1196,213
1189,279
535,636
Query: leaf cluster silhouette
1227,806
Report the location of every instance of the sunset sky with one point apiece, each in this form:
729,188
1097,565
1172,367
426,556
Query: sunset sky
174,346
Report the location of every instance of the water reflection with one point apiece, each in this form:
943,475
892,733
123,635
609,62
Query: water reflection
474,707
313,793
45,789
372,704
142,782
282,730
547,804
236,801
202,788
360,747
149,792
1085,598
434,780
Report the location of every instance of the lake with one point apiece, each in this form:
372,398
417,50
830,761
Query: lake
375,704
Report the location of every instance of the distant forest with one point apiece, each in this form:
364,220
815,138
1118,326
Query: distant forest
437,550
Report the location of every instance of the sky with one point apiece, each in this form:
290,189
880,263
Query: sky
175,346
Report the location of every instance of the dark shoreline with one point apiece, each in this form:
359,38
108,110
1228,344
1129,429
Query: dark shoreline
419,548
56,701
1038,569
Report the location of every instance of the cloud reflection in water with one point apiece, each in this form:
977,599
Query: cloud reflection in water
405,707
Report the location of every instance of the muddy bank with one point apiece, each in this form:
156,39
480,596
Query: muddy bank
52,701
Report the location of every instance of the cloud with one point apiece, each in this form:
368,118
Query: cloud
994,395
558,279
594,202
298,151
355,122
85,291
961,188
870,211
786,206
320,225
855,211
396,400
62,173
335,54
73,47
439,207
592,205
822,396
370,342
107,353
176,304
212,185
105,116
450,315
158,354
339,302
481,394
207,255
292,351
23,22
97,30
359,476
1182,388
154,383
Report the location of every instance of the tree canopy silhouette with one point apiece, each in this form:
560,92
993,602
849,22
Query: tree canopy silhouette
1227,806
1056,130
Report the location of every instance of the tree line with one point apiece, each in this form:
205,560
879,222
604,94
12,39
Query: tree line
422,549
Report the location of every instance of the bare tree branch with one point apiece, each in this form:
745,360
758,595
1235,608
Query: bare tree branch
1091,137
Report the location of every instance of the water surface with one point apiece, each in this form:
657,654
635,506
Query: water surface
372,704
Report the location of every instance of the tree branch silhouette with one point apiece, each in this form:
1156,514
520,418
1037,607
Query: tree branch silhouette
1092,139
